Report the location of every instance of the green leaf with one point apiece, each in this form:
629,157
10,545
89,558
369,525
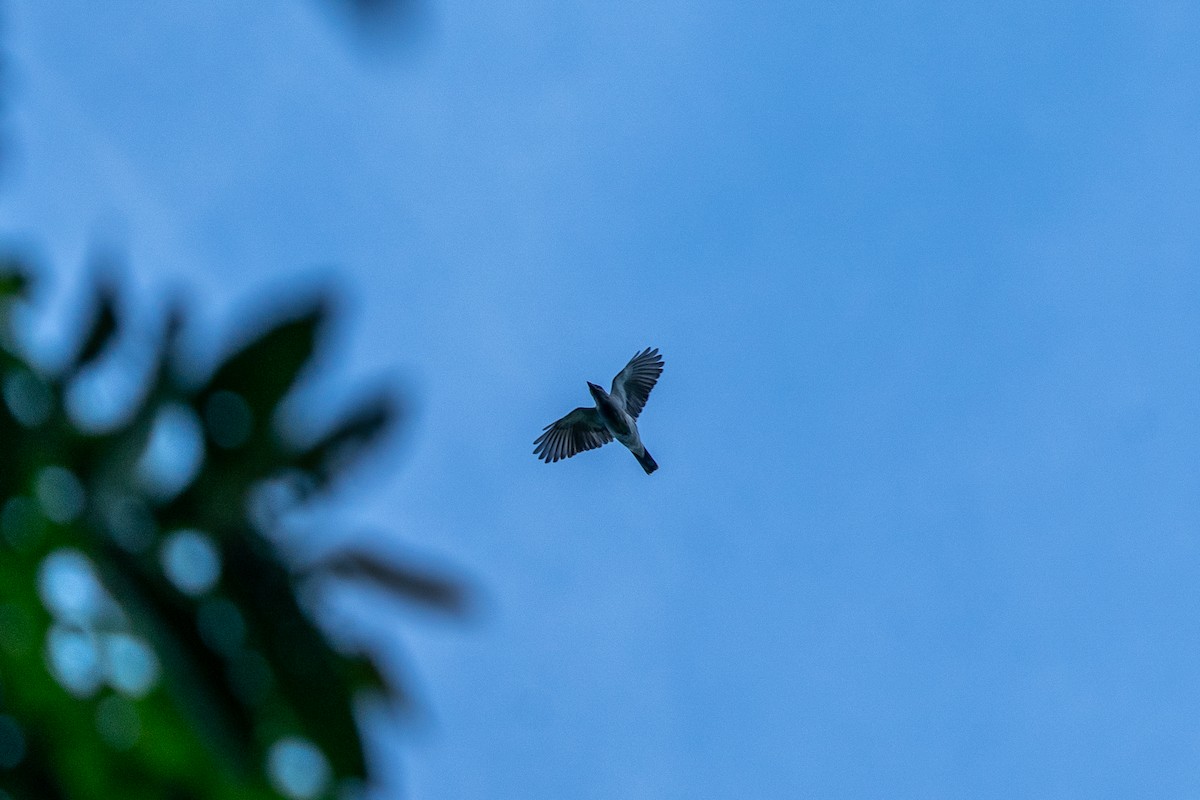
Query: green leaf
436,591
341,447
194,673
14,281
101,331
262,371
308,671
14,285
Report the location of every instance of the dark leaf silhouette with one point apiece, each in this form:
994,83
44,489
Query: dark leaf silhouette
340,448
261,371
13,281
438,592
102,330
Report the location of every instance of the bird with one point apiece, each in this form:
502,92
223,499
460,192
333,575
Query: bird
613,417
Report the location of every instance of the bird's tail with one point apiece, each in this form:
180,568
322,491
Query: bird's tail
646,460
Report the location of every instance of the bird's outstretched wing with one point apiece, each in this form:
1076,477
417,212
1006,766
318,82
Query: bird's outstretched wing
633,384
578,431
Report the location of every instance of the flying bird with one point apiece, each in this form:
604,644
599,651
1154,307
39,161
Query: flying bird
614,416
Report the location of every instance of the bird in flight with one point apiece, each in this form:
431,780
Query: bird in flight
614,416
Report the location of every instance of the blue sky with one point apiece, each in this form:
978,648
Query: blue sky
925,278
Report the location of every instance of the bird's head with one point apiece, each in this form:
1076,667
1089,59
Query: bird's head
595,390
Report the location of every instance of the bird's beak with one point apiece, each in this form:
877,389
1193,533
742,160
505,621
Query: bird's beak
593,387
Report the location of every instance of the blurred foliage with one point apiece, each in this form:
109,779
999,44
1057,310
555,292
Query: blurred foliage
380,26
156,632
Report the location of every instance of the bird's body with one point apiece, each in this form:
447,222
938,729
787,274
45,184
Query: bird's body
613,417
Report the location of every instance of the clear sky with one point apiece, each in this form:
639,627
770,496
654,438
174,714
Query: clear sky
927,523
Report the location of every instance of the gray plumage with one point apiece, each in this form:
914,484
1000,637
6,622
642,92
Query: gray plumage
613,417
